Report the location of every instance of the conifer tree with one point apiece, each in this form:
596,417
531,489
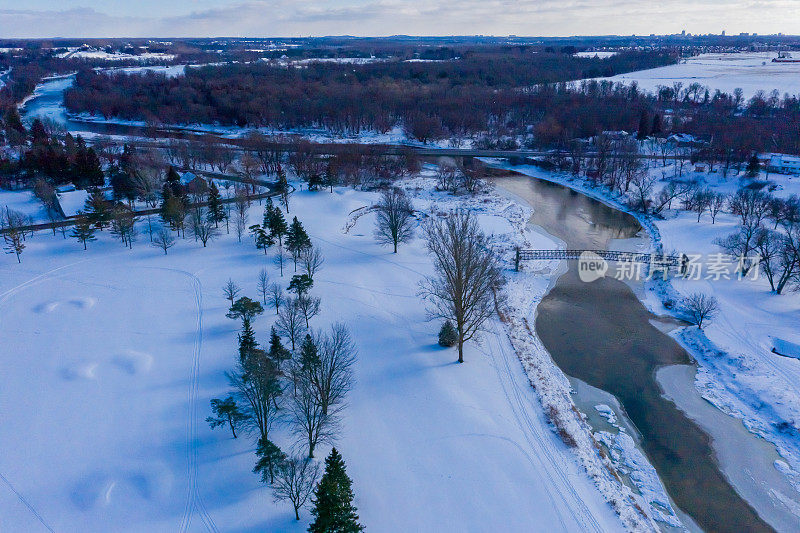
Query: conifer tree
277,352
97,209
297,240
247,340
216,212
277,223
227,413
83,231
269,457
333,500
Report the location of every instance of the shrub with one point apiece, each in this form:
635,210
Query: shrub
447,335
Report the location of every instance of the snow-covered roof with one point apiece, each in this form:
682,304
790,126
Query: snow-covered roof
72,201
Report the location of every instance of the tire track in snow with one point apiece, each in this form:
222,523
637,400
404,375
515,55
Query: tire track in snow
194,502
554,465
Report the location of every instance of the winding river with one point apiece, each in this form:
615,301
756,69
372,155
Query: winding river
601,334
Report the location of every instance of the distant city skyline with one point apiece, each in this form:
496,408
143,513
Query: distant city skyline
265,18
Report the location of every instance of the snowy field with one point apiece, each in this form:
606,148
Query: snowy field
24,202
752,72
116,354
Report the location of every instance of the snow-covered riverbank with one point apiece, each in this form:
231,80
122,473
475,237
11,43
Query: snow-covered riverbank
738,373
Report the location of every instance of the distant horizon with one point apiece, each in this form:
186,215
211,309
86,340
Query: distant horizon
113,19
399,36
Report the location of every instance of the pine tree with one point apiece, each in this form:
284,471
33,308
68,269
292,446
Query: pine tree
39,135
277,223
644,126
227,413
753,166
216,212
83,230
277,352
657,128
309,356
333,500
297,240
247,340
97,209
447,335
269,457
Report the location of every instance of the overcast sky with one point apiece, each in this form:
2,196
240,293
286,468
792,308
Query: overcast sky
264,18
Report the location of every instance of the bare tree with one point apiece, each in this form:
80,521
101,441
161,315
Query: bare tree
163,239
263,284
467,275
311,260
281,256
447,178
716,205
700,308
309,306
295,481
308,420
779,255
394,223
202,228
291,322
332,376
641,185
13,233
242,205
275,297
231,290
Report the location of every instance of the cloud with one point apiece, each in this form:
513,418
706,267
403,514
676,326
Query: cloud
264,18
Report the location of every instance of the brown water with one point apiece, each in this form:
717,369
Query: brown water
600,333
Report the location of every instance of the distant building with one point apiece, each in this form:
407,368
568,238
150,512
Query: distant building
784,164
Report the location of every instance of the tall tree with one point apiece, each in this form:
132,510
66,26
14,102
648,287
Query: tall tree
297,240
216,212
333,500
467,275
395,218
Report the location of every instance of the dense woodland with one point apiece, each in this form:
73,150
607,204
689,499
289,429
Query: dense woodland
519,93
459,96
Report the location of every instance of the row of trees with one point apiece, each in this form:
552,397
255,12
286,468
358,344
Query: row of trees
301,386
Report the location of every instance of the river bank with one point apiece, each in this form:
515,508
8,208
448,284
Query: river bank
779,514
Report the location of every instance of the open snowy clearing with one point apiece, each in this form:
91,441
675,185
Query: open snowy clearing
113,355
752,72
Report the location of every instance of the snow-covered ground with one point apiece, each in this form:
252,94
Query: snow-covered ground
116,56
24,202
113,355
598,54
752,72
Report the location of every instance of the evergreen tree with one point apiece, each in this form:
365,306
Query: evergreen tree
297,240
276,223
309,355
247,340
333,500
263,239
277,352
447,335
300,284
644,126
269,457
227,413
315,181
83,230
39,135
216,211
93,170
753,166
657,127
97,209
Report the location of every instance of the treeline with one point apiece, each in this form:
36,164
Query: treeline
431,98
